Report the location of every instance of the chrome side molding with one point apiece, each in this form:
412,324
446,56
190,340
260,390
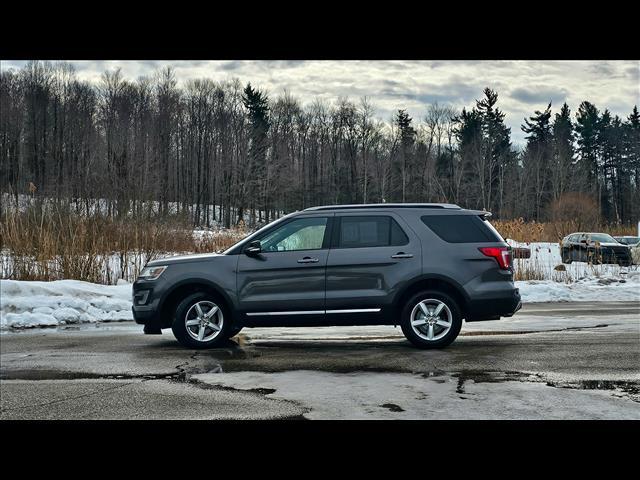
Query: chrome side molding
316,312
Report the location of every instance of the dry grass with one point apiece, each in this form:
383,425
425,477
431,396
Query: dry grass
522,231
50,243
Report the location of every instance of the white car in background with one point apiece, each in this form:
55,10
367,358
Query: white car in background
634,245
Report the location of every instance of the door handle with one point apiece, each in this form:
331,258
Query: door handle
402,255
308,260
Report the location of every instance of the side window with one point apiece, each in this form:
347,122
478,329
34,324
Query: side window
461,228
300,234
370,231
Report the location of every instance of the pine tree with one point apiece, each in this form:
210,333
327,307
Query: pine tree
587,129
495,151
537,157
632,157
562,171
257,105
407,135
468,133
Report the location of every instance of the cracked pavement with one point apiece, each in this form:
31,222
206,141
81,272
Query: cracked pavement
549,361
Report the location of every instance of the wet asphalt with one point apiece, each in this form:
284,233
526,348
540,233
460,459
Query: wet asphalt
115,372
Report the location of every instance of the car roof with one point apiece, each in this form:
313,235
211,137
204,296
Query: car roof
449,206
589,233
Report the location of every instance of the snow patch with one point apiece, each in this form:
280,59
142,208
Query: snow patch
37,304
608,288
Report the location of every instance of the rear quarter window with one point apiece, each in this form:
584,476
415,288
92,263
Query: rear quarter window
461,228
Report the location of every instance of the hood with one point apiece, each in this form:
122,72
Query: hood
197,257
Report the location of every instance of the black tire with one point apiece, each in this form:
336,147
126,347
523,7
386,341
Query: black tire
417,340
566,256
179,326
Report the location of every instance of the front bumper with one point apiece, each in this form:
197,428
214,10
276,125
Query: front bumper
146,302
144,317
611,256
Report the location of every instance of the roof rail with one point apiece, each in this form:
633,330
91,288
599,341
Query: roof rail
385,205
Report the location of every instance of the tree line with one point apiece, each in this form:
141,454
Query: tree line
219,152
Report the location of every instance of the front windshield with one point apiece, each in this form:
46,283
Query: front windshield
601,237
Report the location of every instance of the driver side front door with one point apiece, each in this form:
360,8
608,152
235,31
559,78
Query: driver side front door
286,280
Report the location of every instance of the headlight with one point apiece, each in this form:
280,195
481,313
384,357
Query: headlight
151,273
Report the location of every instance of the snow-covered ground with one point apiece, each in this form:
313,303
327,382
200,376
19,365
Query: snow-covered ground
610,287
39,304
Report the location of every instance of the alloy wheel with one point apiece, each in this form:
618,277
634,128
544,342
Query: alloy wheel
204,321
431,319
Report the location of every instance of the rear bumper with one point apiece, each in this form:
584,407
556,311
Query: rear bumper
494,308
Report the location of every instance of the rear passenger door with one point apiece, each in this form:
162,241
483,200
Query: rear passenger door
371,255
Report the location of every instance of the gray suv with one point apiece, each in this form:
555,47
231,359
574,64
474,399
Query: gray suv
425,267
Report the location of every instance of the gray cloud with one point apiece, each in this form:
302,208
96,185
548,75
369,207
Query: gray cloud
233,65
539,94
523,86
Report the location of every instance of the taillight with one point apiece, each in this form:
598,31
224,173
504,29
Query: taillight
501,254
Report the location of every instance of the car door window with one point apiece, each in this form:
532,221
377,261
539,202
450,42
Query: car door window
300,234
370,231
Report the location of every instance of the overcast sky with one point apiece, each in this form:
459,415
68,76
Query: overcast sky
523,86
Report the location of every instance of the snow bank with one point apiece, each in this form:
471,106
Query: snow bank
607,288
38,304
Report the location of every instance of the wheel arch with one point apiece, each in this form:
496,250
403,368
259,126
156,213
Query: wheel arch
186,287
434,282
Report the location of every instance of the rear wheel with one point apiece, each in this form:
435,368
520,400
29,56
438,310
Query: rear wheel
201,321
431,319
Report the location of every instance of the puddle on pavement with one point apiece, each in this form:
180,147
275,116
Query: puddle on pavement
630,388
112,325
48,374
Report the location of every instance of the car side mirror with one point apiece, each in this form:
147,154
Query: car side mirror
254,248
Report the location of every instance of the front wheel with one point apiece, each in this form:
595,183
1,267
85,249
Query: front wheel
431,319
201,321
